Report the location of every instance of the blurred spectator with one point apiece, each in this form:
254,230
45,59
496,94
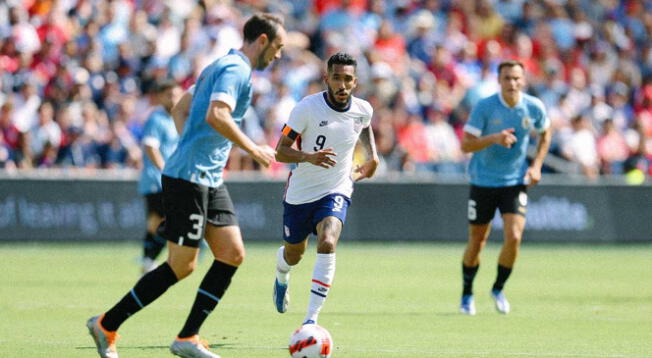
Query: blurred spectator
485,21
390,47
612,149
8,136
15,140
443,144
411,136
580,146
423,40
561,26
45,137
86,68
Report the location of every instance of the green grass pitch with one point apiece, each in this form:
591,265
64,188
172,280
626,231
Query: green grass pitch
388,300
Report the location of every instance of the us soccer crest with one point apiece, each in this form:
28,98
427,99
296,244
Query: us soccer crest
357,124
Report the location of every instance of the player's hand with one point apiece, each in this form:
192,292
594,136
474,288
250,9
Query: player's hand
322,158
532,176
506,138
264,155
366,170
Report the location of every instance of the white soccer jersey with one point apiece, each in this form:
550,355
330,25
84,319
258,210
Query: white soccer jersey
321,126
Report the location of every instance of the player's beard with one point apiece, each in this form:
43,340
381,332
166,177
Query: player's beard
261,62
335,102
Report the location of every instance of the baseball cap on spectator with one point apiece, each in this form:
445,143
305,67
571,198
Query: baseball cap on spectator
583,31
423,20
80,76
620,89
218,12
381,71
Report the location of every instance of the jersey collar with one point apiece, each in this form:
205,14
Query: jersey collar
242,55
325,95
502,100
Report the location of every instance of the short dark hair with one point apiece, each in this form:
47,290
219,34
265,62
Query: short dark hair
509,63
264,23
161,86
341,58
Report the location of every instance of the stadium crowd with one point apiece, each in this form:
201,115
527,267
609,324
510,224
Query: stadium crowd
75,75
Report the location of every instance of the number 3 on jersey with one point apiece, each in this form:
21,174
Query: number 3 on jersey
321,140
197,226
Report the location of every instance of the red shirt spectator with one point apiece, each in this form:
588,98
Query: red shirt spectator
612,148
390,47
412,138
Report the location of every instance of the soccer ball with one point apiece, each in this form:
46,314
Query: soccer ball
311,341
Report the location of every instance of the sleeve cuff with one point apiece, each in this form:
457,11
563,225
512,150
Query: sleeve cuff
151,142
472,130
224,98
546,125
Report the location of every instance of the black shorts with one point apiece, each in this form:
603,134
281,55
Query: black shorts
483,202
154,203
189,206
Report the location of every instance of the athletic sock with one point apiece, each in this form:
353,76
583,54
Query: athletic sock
152,245
501,277
150,287
210,292
282,267
322,278
468,275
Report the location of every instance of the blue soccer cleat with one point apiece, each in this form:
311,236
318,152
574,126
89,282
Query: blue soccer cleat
308,321
281,296
502,305
467,306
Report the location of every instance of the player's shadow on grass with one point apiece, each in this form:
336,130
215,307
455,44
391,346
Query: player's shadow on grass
123,347
244,346
397,314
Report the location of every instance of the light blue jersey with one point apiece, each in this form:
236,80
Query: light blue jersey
202,152
159,132
495,165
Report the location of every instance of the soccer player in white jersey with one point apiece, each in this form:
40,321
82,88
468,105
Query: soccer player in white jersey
498,135
326,127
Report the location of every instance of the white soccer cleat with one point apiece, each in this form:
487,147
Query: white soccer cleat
191,347
467,306
147,265
502,305
104,340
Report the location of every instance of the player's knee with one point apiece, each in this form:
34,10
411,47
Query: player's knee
326,244
233,257
293,258
512,238
478,241
237,257
183,270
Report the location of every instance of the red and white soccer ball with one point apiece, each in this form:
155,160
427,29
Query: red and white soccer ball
311,341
